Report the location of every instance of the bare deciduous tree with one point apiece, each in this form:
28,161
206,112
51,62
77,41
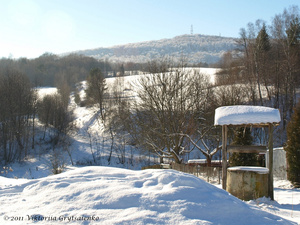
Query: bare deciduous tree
168,109
96,89
16,111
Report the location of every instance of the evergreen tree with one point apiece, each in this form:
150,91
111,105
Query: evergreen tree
243,137
293,148
263,40
262,47
293,32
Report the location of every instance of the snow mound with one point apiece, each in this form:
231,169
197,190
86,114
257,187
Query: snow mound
120,196
244,114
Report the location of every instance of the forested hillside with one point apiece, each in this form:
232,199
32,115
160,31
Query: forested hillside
196,48
53,70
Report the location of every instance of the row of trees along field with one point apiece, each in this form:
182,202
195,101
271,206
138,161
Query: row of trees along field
53,70
19,109
267,61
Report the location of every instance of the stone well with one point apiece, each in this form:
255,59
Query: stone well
247,182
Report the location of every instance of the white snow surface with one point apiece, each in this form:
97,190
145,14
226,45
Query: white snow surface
260,170
106,195
245,114
202,161
43,91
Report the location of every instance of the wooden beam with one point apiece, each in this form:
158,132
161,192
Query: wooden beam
224,156
270,145
247,148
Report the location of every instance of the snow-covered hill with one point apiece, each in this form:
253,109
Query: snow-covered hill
196,48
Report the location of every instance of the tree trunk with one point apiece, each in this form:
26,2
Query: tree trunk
208,160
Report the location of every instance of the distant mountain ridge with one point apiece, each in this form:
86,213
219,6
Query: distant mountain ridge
196,48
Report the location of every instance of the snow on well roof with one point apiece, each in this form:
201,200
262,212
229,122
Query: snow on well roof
245,114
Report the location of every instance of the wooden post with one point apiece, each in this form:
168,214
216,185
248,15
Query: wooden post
224,156
270,145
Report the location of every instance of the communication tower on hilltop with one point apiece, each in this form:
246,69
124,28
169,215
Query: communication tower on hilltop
192,29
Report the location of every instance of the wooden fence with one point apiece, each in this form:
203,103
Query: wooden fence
210,174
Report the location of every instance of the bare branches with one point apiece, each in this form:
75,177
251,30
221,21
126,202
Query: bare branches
96,89
169,104
17,102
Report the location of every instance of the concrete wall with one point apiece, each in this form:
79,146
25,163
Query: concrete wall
246,183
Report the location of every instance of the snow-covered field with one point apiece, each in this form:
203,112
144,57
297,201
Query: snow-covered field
107,195
111,195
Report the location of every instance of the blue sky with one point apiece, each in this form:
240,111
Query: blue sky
30,28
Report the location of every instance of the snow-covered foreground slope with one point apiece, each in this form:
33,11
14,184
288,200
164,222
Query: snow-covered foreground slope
120,196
